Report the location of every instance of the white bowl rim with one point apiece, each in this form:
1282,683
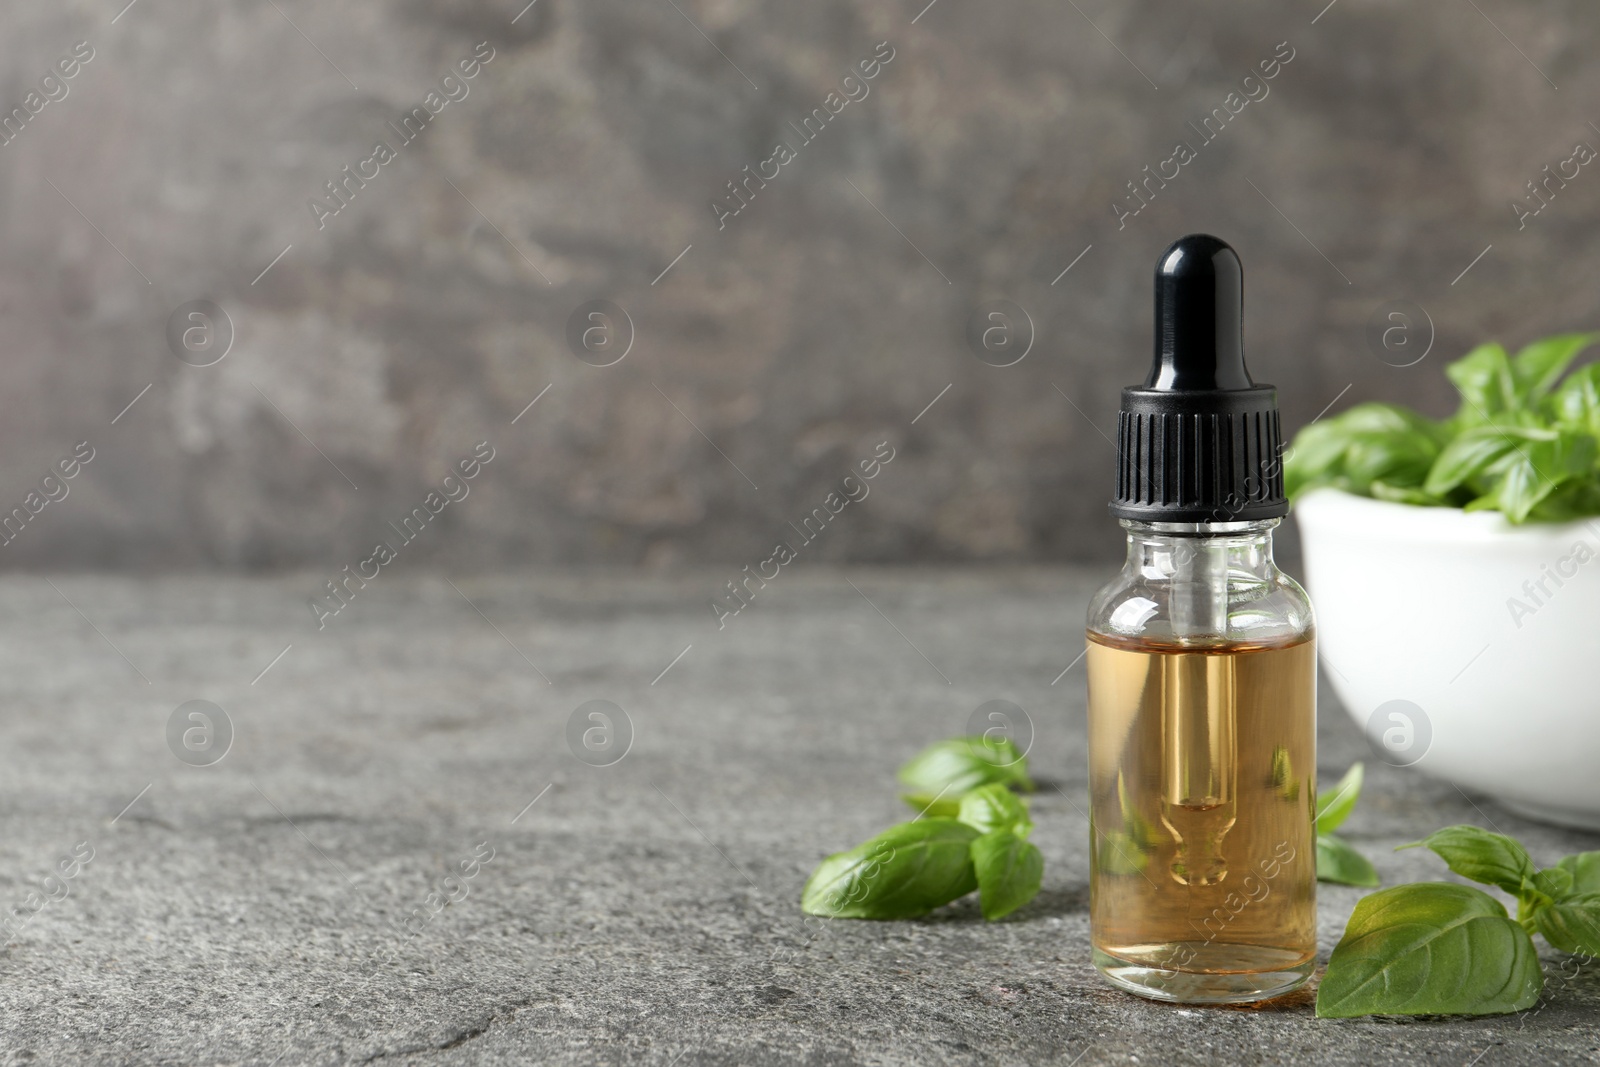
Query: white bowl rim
1385,519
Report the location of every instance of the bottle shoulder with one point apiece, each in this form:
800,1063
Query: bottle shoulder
1255,607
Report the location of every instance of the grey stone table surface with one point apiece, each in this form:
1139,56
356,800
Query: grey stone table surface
273,907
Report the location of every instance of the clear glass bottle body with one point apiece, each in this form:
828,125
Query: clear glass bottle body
1202,767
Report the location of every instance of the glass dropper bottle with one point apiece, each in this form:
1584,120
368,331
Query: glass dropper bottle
1202,674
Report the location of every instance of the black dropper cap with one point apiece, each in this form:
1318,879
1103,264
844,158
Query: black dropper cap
1199,441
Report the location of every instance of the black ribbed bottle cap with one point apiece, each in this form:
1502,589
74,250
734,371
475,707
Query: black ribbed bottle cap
1199,441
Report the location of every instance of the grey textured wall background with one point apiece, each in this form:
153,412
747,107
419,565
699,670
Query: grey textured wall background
821,320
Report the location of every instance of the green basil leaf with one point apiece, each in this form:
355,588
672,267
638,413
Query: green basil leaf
1573,924
1120,852
1338,861
1523,487
1573,499
994,807
1010,871
1404,494
1398,458
1373,417
1484,379
1469,456
1585,870
1553,882
1316,457
1430,948
906,871
1536,469
1576,402
1490,858
1335,805
1540,365
959,764
924,804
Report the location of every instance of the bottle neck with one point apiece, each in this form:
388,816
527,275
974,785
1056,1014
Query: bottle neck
1200,552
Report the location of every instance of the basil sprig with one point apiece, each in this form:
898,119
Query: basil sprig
1443,948
971,833
1524,442
1337,859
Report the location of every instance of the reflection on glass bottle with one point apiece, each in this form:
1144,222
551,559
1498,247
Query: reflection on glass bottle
1126,850
1283,779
